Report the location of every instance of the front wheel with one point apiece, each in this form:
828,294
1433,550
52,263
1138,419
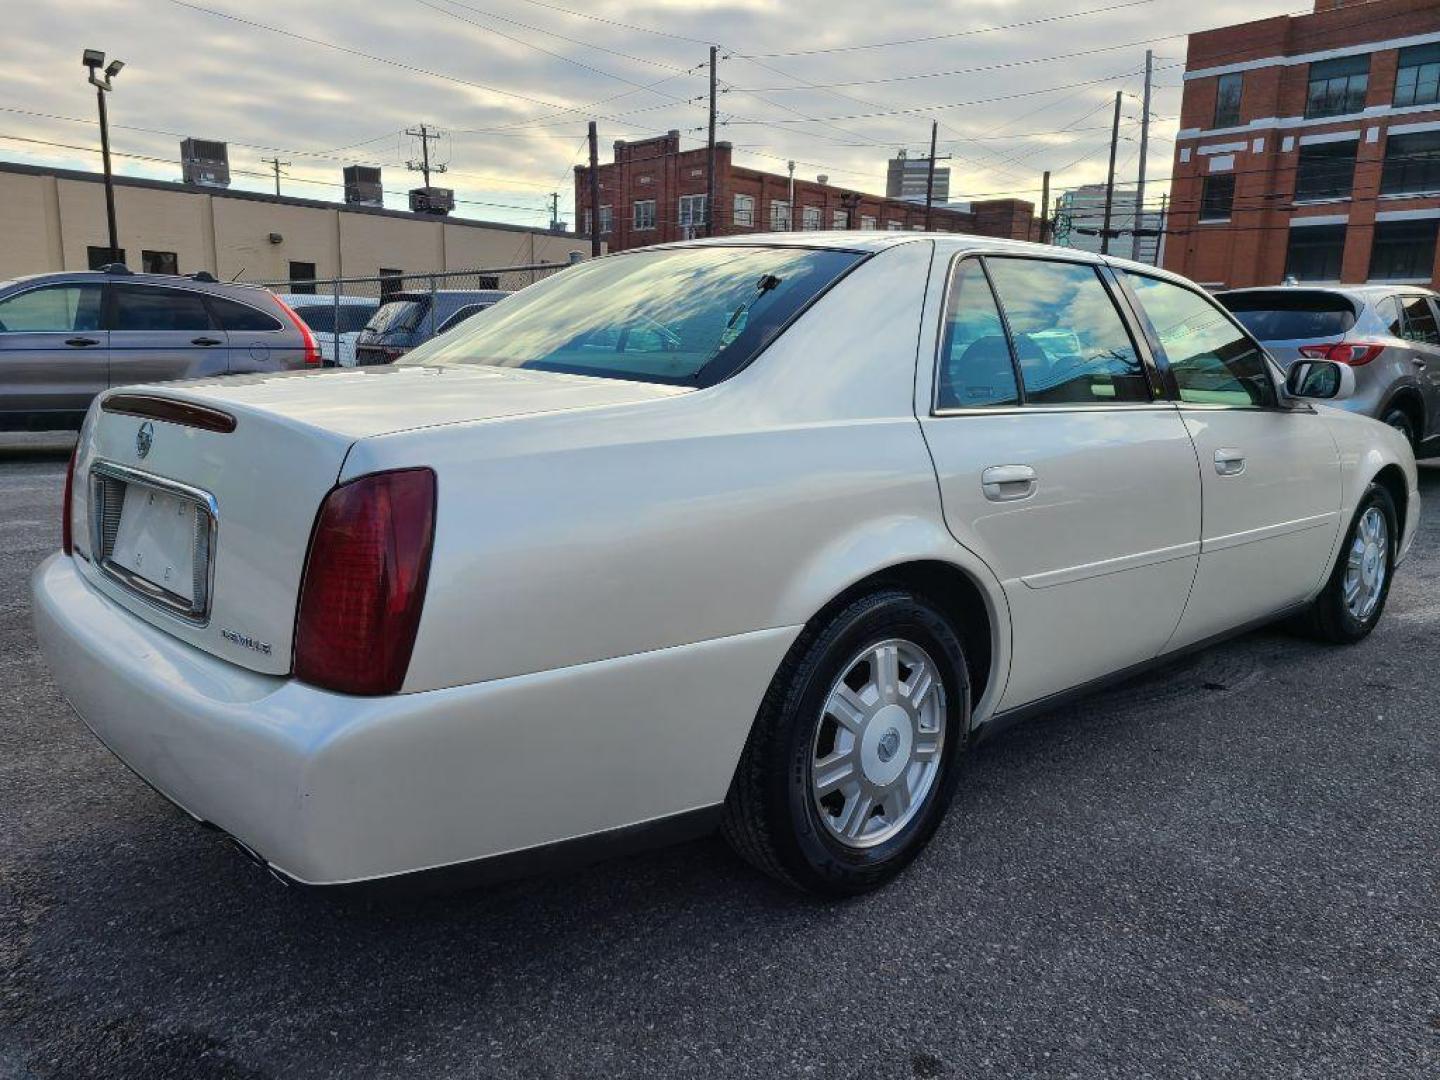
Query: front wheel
1354,598
855,751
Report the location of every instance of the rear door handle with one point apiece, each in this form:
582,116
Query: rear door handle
205,341
1229,462
81,342
1006,483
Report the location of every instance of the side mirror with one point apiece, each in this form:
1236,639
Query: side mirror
1324,380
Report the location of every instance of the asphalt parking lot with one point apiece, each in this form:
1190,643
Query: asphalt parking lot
1231,868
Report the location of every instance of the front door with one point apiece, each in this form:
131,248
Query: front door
1270,475
1075,485
54,356
162,332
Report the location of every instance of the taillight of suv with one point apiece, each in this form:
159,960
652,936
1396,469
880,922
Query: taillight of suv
312,347
364,583
1354,353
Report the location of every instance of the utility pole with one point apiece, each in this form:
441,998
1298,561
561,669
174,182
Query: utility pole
1110,179
426,135
554,211
930,180
1045,207
276,164
790,206
710,155
1160,237
594,193
1144,141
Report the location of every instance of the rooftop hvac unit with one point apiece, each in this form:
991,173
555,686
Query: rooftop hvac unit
205,162
362,186
432,200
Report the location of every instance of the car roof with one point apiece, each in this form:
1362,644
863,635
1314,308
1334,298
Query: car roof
132,277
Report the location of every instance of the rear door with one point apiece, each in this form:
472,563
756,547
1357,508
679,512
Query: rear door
1270,474
1422,331
54,354
162,332
1061,469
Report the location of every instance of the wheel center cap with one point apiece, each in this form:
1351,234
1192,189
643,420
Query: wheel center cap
889,743
885,745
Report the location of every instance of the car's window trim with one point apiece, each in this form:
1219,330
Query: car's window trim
61,285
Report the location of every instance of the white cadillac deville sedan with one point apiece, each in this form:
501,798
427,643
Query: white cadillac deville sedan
758,532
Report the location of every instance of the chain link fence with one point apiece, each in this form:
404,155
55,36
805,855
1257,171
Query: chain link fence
338,309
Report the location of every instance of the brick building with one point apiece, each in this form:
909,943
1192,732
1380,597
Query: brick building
654,192
1310,148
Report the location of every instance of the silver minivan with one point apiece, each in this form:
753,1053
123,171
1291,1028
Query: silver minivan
65,337
1389,335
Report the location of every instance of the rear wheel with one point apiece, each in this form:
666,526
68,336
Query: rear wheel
1354,598
855,752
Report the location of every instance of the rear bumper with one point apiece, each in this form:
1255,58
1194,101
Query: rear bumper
329,789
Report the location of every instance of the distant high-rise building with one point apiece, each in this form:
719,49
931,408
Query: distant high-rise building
906,178
1081,217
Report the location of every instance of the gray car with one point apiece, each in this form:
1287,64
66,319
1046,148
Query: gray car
1389,335
411,318
65,337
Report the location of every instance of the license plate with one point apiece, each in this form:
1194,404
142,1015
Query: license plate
156,540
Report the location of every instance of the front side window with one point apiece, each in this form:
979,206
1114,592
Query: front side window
1326,170
141,307
1338,86
1419,322
745,210
644,214
687,316
1403,250
1070,342
975,368
1412,164
1417,80
1217,196
52,309
1315,252
1227,100
1213,363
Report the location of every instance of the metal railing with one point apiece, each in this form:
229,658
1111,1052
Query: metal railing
352,301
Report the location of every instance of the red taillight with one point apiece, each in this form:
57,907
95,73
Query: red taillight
364,583
1344,352
67,537
312,347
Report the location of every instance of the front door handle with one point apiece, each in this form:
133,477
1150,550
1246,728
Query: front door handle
81,342
1006,483
205,341
1229,462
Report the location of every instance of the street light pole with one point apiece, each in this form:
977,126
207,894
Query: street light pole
92,59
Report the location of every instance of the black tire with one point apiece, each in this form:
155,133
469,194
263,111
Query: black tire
1402,422
1328,618
770,815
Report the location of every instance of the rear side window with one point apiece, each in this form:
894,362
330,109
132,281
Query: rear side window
975,365
1291,314
142,307
1069,340
397,315
232,315
56,309
1212,362
321,317
1419,321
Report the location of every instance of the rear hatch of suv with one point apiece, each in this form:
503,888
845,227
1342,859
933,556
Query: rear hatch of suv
390,333
1286,320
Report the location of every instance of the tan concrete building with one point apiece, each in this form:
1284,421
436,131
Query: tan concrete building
55,220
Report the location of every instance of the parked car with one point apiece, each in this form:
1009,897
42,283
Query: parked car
408,319
66,337
324,315
864,500
1389,335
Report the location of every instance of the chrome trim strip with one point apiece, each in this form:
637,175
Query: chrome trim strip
1051,578
1268,532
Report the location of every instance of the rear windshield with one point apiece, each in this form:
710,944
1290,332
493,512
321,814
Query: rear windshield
1288,314
396,315
687,316
321,317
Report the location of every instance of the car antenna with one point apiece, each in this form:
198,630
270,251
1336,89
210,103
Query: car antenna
237,274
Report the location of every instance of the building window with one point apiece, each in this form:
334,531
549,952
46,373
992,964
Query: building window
810,218
302,277
1227,100
159,262
1338,86
867,223
1326,170
1315,252
894,226
607,220
1417,82
692,213
389,283
745,210
1412,164
101,257
779,215
644,216
1217,196
1403,250
839,219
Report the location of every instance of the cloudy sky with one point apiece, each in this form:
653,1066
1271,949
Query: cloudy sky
837,85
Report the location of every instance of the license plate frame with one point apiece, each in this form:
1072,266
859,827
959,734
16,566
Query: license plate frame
117,538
